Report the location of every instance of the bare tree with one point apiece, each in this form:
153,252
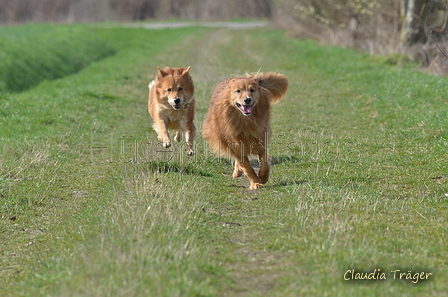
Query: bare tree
412,30
420,17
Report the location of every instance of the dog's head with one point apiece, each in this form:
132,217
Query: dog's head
175,86
244,94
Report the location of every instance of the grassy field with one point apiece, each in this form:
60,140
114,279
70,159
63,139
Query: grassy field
33,53
92,205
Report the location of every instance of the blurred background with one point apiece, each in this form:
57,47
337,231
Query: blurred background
129,10
417,28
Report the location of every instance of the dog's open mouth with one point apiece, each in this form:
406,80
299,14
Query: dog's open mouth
245,109
177,106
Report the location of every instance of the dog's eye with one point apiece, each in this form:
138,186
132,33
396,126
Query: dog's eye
180,89
252,90
169,90
238,91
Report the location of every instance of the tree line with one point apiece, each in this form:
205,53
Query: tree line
417,27
13,11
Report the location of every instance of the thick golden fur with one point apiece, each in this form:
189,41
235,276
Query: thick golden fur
171,105
238,121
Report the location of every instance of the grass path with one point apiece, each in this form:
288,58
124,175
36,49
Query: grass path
92,206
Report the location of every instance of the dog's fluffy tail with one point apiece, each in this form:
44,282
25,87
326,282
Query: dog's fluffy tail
276,83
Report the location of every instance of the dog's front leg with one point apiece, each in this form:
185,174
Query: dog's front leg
250,173
189,138
162,132
190,132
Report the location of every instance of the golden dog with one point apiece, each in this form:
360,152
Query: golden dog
238,121
171,105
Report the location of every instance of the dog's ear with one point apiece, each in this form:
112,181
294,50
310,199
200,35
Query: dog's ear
186,70
160,73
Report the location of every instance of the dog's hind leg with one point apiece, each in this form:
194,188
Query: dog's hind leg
178,136
238,171
264,167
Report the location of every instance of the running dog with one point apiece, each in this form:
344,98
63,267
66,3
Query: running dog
238,121
171,105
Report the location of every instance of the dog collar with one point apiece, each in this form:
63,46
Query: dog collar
188,103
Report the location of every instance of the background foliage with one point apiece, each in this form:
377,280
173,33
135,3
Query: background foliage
88,10
378,27
385,27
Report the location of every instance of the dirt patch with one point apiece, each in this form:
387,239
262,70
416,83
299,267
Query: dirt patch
229,25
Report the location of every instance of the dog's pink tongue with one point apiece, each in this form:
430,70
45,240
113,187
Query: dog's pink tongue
247,108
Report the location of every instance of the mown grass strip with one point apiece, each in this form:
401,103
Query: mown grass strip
357,181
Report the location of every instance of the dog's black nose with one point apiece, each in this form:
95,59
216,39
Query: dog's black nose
247,100
177,101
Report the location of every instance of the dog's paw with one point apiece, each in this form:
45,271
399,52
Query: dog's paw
255,186
237,173
190,153
167,144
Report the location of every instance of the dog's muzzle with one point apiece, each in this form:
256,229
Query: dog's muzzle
177,104
246,109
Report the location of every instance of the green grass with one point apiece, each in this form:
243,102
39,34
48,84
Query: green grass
92,206
33,53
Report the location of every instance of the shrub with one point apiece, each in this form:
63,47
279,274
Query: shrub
384,27
372,25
